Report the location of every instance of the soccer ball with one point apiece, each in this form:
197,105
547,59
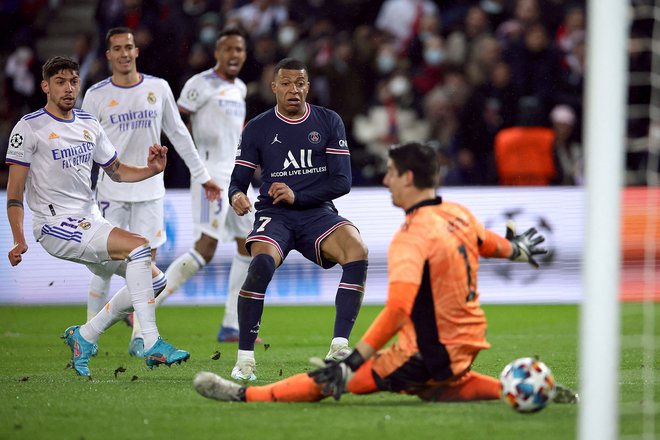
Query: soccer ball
527,385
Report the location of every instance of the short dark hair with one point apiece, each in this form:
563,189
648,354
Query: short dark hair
56,64
419,158
116,31
290,64
231,31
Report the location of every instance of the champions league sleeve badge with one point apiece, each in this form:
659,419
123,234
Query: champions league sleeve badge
16,140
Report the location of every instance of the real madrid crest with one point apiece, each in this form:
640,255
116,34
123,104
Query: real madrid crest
87,136
314,137
85,225
151,98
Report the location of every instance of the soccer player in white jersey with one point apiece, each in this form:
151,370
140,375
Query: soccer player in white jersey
215,101
50,156
133,108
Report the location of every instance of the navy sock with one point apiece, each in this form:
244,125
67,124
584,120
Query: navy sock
251,299
349,297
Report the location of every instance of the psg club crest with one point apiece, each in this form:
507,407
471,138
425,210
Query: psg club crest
314,137
151,98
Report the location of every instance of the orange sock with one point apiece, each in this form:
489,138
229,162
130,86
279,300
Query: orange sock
471,386
298,388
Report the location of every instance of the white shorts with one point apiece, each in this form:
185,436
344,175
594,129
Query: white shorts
82,239
144,218
218,219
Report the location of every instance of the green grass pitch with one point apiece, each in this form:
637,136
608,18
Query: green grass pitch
41,399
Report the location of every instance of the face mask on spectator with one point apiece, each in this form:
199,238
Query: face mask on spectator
208,35
399,86
287,36
385,63
434,57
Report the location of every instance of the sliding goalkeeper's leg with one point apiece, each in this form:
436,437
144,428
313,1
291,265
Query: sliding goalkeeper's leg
298,388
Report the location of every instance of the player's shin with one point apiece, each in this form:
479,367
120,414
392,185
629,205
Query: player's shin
298,388
158,283
237,275
98,295
115,310
349,297
251,299
138,280
180,271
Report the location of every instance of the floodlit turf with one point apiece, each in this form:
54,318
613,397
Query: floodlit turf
41,399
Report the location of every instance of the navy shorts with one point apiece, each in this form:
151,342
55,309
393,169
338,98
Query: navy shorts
302,230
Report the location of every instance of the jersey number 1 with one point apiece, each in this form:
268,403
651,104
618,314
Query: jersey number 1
472,294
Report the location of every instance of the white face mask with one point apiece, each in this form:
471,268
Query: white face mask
385,63
287,36
434,57
208,35
399,86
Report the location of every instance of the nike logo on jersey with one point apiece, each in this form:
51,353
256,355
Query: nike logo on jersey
113,103
275,139
53,135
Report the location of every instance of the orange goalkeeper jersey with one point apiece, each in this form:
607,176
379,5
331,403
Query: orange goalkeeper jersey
433,265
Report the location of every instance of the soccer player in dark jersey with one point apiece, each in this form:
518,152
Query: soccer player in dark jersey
305,165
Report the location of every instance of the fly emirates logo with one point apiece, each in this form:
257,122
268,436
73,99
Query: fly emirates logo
74,155
298,166
133,119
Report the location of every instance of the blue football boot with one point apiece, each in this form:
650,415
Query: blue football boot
81,350
164,353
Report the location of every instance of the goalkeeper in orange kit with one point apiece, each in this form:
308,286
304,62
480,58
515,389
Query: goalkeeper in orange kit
432,304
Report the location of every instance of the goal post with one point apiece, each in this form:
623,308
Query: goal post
604,136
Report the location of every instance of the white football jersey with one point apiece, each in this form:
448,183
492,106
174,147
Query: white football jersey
59,153
133,117
217,108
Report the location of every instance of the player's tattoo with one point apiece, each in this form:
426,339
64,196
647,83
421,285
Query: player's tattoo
113,171
14,202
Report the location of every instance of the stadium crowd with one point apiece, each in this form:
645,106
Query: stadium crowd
481,80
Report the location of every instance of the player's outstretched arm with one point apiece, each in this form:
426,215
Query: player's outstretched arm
15,211
123,172
524,246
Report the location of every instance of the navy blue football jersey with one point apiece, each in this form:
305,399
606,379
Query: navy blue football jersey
309,154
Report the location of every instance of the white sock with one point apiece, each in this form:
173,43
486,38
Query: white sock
237,275
115,310
245,355
138,280
158,283
339,341
98,295
180,271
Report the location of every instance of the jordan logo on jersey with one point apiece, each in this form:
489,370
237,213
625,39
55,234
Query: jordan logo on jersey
275,139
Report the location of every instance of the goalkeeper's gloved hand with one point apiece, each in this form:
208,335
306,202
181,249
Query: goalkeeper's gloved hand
524,245
333,376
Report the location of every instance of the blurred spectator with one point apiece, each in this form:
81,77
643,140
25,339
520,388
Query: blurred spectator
526,13
431,73
495,10
535,65
85,55
485,53
391,120
22,79
459,43
261,17
260,96
524,154
568,153
491,107
401,19
264,52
